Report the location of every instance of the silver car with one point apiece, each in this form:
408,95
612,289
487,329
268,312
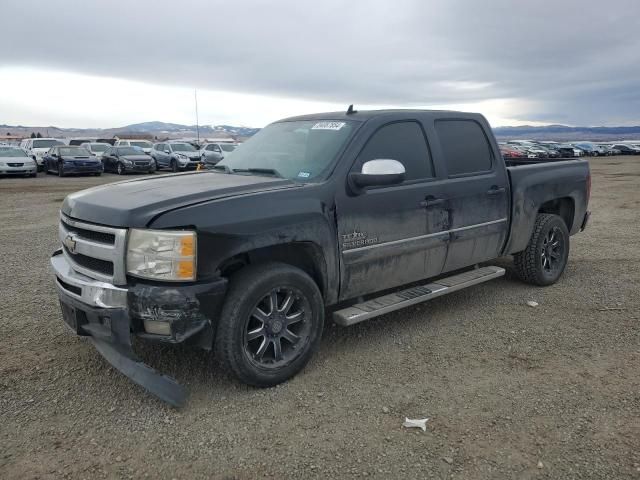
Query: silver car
14,161
212,153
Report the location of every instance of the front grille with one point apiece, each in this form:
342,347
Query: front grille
104,267
94,250
100,237
15,164
142,164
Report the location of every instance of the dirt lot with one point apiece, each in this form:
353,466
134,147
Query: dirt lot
511,391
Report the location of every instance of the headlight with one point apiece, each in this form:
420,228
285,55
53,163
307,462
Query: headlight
126,162
162,255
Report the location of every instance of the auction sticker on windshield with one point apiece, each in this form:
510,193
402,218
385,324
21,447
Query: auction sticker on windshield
328,126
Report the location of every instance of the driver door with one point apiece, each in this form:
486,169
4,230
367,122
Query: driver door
391,235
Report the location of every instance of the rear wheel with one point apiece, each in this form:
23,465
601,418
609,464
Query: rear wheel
545,258
271,324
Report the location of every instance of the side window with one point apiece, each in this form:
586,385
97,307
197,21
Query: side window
464,145
404,142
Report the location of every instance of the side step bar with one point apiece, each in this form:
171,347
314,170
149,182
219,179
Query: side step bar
411,296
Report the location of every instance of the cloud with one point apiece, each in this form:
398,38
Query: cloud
560,61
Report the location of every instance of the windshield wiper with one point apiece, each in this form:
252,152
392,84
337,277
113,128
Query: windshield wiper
264,171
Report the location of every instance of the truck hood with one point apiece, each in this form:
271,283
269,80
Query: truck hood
135,203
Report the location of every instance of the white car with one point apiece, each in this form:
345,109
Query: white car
37,148
97,149
145,145
14,161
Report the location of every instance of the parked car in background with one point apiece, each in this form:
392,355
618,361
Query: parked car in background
212,153
79,141
550,152
14,161
145,145
127,159
176,156
509,152
68,160
37,148
609,149
627,149
568,150
96,148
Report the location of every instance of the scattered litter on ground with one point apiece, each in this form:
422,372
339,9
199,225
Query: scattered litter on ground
531,303
417,423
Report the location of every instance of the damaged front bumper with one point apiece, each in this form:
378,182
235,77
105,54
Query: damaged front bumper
110,315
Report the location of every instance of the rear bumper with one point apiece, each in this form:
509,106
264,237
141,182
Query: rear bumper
110,315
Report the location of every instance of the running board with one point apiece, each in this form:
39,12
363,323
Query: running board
411,296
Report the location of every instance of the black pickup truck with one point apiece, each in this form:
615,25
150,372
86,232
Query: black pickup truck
359,213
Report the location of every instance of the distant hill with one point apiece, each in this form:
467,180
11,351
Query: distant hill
160,130
163,130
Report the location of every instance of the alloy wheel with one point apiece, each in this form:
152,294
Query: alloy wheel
552,251
277,328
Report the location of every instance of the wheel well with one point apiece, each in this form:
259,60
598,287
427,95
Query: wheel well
563,207
304,255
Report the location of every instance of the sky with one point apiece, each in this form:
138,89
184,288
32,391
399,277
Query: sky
109,63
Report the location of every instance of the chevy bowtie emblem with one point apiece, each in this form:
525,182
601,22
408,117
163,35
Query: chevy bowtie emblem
70,243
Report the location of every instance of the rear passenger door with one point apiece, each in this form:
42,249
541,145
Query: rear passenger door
477,192
387,236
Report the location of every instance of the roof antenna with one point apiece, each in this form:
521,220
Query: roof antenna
350,110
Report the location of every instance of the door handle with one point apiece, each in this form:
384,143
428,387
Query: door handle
496,190
430,201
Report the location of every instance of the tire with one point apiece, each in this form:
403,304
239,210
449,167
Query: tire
60,170
249,298
174,165
98,174
34,175
541,263
120,170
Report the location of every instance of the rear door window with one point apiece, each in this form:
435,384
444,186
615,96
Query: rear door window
404,142
465,147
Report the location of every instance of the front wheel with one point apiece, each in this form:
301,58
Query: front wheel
271,324
120,168
545,258
174,166
60,170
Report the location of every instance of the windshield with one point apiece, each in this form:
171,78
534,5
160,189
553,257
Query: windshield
99,147
74,151
302,150
141,144
45,143
12,152
182,147
129,151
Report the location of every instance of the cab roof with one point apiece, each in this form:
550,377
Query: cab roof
364,115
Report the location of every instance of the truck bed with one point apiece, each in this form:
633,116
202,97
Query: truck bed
539,181
515,162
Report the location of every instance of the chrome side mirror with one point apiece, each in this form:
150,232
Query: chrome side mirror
378,172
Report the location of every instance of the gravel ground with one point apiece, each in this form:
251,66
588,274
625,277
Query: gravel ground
511,391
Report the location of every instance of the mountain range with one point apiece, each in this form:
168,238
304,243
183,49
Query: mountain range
163,130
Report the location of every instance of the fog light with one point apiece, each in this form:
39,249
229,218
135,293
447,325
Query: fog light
157,328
